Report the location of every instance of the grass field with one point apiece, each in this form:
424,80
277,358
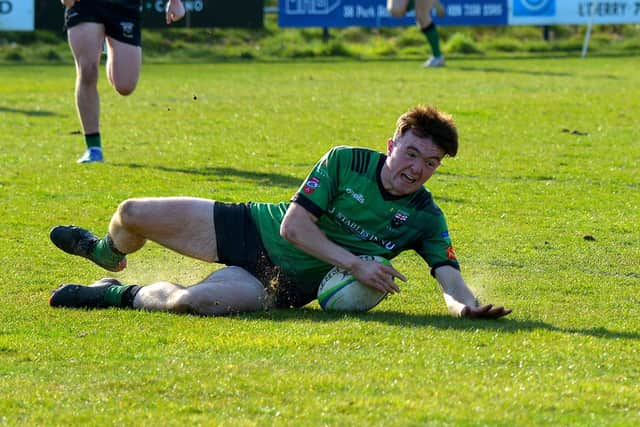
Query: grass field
543,203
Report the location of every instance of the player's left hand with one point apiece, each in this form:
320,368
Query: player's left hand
174,11
439,9
484,312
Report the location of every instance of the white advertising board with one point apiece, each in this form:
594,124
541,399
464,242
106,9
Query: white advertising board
16,15
559,12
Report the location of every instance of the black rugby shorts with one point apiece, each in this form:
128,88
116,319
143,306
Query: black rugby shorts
239,244
121,18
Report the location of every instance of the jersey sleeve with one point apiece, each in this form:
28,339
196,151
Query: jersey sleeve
321,185
436,247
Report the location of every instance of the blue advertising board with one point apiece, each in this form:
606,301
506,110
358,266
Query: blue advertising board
374,13
559,12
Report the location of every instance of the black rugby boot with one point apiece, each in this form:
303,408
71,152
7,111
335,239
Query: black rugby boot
78,241
80,296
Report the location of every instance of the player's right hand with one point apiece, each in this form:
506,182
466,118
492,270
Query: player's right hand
439,9
377,275
174,11
68,3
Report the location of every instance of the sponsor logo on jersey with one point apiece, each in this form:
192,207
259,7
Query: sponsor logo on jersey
127,29
445,234
356,196
359,231
399,218
450,253
311,185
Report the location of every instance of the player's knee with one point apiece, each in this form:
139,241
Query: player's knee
88,74
397,12
129,211
125,88
425,23
180,301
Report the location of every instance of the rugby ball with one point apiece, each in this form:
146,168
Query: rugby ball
340,291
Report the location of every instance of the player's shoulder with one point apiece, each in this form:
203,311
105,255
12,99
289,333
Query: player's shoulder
356,159
350,150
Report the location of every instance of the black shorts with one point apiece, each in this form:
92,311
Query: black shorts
239,244
121,18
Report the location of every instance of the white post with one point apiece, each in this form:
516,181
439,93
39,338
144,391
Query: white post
587,35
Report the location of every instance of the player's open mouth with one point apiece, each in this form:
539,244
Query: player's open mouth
408,178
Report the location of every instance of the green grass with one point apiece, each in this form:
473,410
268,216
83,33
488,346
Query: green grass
549,154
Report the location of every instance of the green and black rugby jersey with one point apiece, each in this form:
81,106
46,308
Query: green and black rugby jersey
345,193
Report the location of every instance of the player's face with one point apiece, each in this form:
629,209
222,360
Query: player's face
410,163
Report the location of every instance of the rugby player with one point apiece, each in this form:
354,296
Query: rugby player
115,24
355,201
399,8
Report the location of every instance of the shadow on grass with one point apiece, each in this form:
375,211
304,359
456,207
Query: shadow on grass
224,173
512,71
35,113
505,325
504,70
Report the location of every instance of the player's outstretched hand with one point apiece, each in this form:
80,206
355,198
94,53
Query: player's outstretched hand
68,3
439,9
484,312
174,11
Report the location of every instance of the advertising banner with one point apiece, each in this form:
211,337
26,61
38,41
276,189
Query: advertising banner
207,13
374,13
200,13
16,15
559,12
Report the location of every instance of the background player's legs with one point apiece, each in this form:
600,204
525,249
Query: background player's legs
183,224
228,290
397,8
86,40
428,28
423,12
123,65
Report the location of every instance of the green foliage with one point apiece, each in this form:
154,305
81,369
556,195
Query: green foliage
542,202
503,45
631,45
336,48
410,39
51,55
13,55
461,43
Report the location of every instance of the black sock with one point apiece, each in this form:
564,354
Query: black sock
129,295
93,140
431,33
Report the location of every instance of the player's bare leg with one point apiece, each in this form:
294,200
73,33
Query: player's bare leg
86,40
397,8
123,65
428,28
228,290
182,224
